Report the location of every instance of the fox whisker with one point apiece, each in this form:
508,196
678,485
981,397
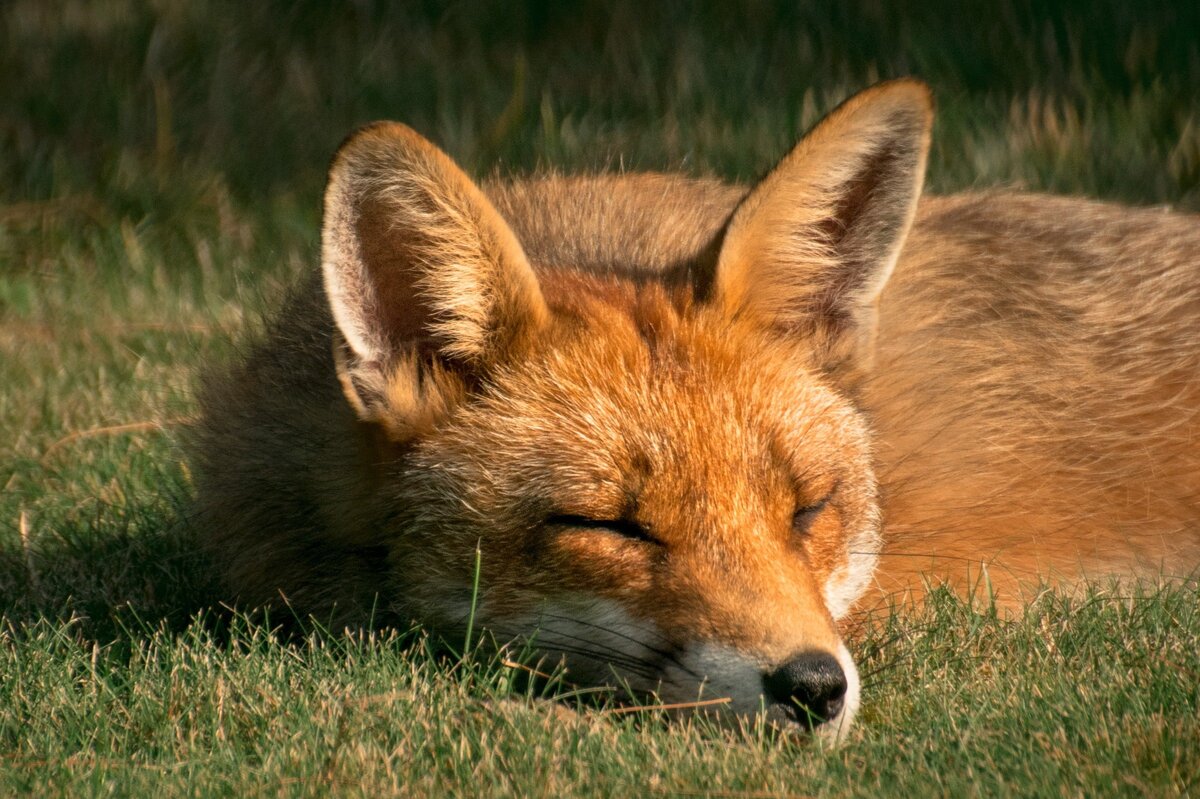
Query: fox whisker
555,642
667,655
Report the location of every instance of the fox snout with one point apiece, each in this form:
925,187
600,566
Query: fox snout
811,687
812,690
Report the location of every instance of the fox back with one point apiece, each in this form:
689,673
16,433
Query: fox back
672,426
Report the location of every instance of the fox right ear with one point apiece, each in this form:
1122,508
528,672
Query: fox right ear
810,248
425,280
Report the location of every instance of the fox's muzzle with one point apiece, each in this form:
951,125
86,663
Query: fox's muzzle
811,686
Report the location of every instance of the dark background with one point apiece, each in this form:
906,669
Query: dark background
137,105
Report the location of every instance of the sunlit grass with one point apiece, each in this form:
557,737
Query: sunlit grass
1092,696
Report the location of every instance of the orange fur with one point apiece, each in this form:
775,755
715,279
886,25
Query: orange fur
659,406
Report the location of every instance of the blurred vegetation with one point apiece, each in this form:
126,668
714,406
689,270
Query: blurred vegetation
119,98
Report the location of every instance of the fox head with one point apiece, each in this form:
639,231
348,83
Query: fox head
667,481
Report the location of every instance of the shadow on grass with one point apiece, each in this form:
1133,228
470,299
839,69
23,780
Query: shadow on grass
150,576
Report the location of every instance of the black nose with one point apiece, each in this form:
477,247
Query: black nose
812,685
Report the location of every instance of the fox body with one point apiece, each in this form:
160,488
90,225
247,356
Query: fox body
685,428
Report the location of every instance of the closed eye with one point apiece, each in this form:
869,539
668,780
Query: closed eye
626,528
804,516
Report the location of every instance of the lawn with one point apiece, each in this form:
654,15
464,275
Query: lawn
161,165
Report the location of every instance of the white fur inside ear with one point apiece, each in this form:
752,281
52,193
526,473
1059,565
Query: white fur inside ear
412,251
812,245
352,298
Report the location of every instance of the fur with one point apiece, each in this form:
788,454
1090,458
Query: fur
684,421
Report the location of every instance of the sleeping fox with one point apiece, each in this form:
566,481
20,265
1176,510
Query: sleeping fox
684,428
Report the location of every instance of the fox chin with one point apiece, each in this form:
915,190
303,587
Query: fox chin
673,433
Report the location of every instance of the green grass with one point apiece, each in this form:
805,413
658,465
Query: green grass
160,174
1087,698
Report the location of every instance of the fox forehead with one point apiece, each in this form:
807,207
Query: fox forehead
639,391
638,403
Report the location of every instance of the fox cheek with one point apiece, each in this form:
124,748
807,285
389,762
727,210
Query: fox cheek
848,579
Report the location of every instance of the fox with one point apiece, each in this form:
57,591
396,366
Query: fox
673,433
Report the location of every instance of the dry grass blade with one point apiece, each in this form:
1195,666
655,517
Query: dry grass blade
34,212
130,427
512,664
27,546
707,794
616,711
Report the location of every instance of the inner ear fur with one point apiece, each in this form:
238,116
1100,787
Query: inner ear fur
426,282
811,246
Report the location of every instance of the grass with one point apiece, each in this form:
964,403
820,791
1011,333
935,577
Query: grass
160,173
959,703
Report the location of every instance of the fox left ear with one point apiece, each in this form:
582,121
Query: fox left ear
811,246
426,283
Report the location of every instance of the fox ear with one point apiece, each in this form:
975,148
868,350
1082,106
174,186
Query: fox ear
421,273
811,246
